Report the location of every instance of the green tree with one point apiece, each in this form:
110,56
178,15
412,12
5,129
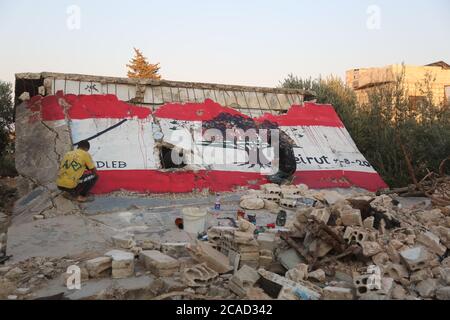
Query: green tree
6,116
7,167
390,126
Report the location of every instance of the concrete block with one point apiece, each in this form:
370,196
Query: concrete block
337,293
267,241
158,263
271,188
271,197
322,214
370,248
199,275
122,263
396,271
98,266
123,241
243,279
288,203
204,252
415,258
432,242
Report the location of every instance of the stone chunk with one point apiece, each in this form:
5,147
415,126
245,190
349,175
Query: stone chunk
443,293
266,241
271,188
123,241
445,275
243,279
252,204
216,260
415,258
199,275
322,214
427,288
370,248
14,273
272,206
420,275
288,203
122,263
158,263
300,272
98,266
431,241
396,271
337,293
351,217
368,222
318,275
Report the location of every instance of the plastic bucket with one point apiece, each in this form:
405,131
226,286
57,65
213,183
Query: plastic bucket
194,220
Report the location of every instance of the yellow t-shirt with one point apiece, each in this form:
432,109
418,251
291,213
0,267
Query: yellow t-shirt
72,168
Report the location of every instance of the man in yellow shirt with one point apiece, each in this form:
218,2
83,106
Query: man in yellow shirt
77,173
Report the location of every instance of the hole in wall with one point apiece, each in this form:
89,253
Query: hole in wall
167,162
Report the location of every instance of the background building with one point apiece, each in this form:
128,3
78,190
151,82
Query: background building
362,80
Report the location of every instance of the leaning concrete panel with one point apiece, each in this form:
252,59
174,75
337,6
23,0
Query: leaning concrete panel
40,145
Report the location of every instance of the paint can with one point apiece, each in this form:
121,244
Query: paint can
194,220
251,218
217,203
281,218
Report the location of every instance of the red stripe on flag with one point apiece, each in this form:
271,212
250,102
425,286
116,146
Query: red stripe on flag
187,181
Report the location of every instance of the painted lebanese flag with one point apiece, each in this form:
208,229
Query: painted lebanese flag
123,145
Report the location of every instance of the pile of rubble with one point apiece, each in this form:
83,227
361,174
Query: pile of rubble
18,281
359,246
328,246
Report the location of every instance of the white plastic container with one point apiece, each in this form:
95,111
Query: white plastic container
194,220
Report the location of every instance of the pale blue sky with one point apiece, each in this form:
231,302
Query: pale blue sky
230,41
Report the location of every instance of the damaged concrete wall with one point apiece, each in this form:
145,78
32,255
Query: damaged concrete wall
128,140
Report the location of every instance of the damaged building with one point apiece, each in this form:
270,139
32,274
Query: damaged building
135,127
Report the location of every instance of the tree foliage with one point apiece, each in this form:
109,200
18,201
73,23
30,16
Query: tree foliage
390,125
7,167
6,116
140,68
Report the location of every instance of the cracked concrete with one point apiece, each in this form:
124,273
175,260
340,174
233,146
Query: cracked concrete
36,158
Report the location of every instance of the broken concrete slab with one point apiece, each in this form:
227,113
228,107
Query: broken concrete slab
198,275
243,279
63,236
159,263
415,258
216,260
98,266
303,290
432,242
337,293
